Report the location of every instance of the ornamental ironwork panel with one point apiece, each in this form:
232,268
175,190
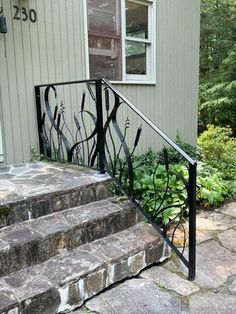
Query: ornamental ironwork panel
105,133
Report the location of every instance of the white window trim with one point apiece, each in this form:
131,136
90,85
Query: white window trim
86,41
150,78
149,45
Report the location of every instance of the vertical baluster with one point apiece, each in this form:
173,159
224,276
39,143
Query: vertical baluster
100,137
192,220
39,117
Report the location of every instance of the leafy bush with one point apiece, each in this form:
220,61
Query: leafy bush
155,190
173,156
218,150
35,156
212,189
151,184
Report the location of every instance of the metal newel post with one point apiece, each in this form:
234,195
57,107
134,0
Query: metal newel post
39,117
192,221
100,137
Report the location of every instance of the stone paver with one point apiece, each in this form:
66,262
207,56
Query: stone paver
136,296
210,223
228,239
172,266
214,264
232,287
170,281
228,209
83,311
203,236
212,303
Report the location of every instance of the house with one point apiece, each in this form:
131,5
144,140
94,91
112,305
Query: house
149,49
78,79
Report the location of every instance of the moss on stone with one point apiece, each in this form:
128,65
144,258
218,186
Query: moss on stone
4,212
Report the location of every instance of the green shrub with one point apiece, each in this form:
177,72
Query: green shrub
155,190
212,189
173,156
151,181
35,156
218,149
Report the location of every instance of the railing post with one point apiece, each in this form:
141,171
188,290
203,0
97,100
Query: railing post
192,221
100,137
39,117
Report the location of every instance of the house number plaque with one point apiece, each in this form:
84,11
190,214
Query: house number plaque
21,13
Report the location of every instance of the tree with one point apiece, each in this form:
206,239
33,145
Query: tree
217,103
218,33
218,96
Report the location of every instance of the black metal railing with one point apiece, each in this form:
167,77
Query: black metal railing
108,132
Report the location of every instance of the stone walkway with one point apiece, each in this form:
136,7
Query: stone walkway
164,289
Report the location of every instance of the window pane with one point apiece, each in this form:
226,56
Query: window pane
105,58
104,39
136,20
135,58
104,16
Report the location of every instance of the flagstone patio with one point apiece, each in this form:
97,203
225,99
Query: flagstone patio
165,289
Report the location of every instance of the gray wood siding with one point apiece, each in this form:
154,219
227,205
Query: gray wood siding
53,49
172,102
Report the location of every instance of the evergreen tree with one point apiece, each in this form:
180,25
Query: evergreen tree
217,104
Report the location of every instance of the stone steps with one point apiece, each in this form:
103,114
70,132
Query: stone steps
63,282
32,242
29,191
63,239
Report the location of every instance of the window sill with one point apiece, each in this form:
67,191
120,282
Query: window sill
133,82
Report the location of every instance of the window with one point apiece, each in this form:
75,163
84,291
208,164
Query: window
121,39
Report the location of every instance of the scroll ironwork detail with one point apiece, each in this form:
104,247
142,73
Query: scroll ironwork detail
111,145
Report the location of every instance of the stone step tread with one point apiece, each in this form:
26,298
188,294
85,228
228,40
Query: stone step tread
63,282
34,241
33,190
35,179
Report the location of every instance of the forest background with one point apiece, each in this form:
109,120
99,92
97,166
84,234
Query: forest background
217,96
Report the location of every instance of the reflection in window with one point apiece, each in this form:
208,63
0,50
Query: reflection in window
136,20
136,43
104,39
111,56
102,16
135,58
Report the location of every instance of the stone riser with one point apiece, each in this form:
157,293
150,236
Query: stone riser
47,203
55,254
64,282
33,242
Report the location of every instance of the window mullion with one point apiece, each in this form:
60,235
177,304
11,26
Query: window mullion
123,37
138,40
125,51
